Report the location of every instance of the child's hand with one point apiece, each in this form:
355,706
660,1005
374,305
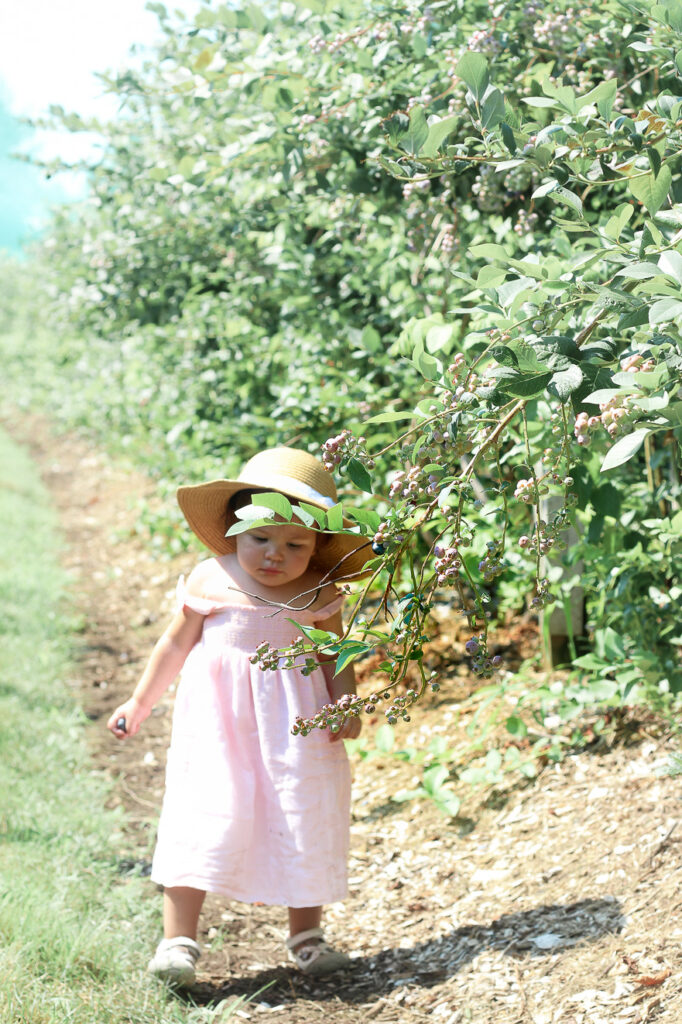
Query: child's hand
350,730
127,718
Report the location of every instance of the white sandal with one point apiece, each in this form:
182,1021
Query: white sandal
315,957
174,961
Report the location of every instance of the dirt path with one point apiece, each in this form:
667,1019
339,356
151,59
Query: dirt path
557,902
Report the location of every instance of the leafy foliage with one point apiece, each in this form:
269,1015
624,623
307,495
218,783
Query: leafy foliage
459,225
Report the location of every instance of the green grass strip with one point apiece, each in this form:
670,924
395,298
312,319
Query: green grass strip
75,932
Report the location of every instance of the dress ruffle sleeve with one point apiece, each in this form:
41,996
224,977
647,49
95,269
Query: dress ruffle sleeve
196,604
329,609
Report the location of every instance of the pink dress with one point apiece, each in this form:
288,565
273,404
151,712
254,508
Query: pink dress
250,811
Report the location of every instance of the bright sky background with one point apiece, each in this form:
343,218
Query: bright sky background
49,53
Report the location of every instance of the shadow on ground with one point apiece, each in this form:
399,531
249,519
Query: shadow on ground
538,932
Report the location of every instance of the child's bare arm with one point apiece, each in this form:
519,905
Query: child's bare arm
340,684
165,662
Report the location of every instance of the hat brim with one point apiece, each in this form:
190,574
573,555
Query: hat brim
342,556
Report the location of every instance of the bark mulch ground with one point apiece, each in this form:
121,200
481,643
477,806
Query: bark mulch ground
556,900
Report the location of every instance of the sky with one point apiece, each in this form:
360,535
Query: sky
50,51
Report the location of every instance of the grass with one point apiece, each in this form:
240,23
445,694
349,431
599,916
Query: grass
75,932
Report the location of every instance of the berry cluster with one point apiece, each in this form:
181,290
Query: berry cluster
552,30
526,222
413,483
491,565
398,708
615,414
330,716
382,30
448,563
343,446
482,664
424,98
489,190
269,659
548,535
419,185
543,596
484,41
526,491
385,537
448,239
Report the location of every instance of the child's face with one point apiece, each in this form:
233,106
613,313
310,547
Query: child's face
275,555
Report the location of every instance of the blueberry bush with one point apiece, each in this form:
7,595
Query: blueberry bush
440,243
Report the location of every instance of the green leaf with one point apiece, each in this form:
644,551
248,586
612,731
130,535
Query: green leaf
349,654
417,132
529,387
392,166
473,69
396,127
306,518
186,166
335,518
615,224
438,133
563,195
435,777
275,501
247,524
384,739
448,803
359,475
317,514
539,101
317,636
492,108
439,336
654,159
545,188
671,264
665,310
639,271
392,416
603,95
427,365
516,726
511,382
489,251
508,137
606,500
564,383
635,318
366,516
652,190
624,449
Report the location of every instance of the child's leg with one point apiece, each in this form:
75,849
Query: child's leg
303,918
312,955
181,909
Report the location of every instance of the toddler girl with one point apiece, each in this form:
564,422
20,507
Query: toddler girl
250,811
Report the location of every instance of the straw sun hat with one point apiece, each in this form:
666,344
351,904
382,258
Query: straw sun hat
289,471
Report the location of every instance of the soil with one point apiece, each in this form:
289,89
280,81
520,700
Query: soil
548,900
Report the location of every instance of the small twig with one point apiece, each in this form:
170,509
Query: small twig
137,799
